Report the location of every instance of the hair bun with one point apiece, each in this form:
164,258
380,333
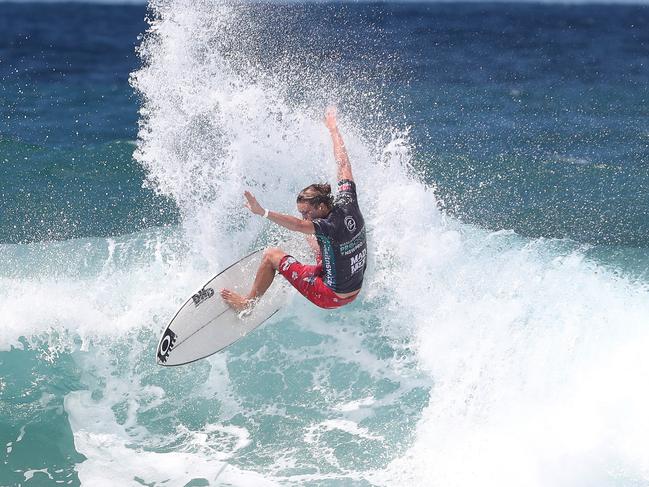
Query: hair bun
324,188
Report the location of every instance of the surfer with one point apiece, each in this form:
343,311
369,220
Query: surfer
336,231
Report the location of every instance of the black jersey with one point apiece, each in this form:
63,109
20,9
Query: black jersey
341,237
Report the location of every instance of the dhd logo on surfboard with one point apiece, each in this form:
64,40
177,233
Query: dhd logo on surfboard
202,295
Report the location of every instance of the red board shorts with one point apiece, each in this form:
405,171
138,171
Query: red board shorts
308,281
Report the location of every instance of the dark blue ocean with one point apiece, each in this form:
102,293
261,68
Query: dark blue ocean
501,151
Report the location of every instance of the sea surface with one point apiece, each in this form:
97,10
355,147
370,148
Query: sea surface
501,151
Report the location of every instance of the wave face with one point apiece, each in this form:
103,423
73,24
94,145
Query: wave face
473,355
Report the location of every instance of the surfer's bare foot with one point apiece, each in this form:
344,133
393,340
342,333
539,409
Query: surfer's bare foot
236,301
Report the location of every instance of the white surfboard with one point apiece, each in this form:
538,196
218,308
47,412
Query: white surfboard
205,324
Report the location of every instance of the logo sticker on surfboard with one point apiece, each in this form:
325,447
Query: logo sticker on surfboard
166,344
202,295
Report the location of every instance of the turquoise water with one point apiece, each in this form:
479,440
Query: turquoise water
500,152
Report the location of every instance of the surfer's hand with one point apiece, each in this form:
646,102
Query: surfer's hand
252,204
330,118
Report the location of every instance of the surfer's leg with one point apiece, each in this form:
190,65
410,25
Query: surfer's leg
266,272
263,280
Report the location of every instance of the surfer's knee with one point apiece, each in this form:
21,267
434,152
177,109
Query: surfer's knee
273,256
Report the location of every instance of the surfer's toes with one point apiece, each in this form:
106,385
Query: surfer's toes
235,301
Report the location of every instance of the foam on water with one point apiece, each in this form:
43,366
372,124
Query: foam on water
108,447
90,287
536,357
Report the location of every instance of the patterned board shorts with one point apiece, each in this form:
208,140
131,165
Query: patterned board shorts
308,281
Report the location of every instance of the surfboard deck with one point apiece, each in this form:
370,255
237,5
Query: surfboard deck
205,324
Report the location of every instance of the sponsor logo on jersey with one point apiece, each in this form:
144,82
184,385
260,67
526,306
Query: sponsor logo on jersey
166,345
354,244
202,295
328,262
358,261
350,223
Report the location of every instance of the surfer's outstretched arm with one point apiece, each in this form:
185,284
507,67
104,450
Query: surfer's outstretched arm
287,221
340,153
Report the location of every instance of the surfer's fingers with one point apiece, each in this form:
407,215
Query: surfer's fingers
331,113
249,196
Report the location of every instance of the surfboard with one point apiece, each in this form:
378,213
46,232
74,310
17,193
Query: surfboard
205,324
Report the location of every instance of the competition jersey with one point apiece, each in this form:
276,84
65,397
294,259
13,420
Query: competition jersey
341,237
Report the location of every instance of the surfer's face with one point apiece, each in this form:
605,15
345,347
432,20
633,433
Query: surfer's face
311,212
